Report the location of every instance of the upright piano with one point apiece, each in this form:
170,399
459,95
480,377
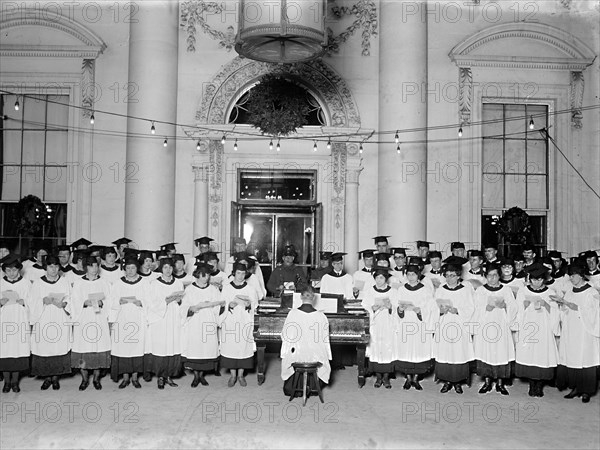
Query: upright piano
345,328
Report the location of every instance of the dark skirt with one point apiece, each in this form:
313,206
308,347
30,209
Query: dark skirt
90,361
533,372
49,366
230,363
14,364
500,371
163,366
381,367
584,380
295,384
411,368
120,365
203,365
452,373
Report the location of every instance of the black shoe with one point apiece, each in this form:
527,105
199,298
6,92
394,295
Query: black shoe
532,389
417,385
500,388
6,388
572,394
386,383
97,385
55,385
407,384
136,384
378,383
203,381
46,384
147,377
458,388
16,388
217,373
170,382
195,382
585,398
487,387
124,384
161,383
446,387
84,385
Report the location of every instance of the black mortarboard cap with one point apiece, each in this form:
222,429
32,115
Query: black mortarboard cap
506,262
380,239
588,254
178,257
338,256
63,248
455,260
366,253
399,250
423,244
11,260
537,271
210,256
107,250
239,266
95,248
146,254
80,241
385,271
161,254
169,246
382,256
416,260
555,254
289,250
518,257
122,241
80,254
325,255
476,253
239,256
435,254
456,244
131,252
203,240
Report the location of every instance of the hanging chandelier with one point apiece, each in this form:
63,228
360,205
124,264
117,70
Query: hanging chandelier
281,31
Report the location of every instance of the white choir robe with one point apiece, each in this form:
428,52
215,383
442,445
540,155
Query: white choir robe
73,275
560,285
365,278
305,338
437,279
452,342
185,278
579,345
237,325
593,280
130,322
228,269
382,324
111,274
331,284
397,279
14,320
164,321
414,338
252,281
51,334
199,333
535,342
478,279
219,279
33,272
515,284
493,342
149,276
91,333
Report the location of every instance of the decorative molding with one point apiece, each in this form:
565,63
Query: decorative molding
566,3
88,87
352,148
339,159
465,95
509,62
366,19
352,175
216,170
201,173
577,86
316,76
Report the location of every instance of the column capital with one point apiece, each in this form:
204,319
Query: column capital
201,171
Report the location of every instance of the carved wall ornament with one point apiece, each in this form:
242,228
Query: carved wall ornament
339,157
465,95
88,87
577,85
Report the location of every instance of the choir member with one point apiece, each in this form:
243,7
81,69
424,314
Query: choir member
14,323
490,251
433,271
217,277
240,246
458,249
90,306
559,286
559,265
324,267
110,271
593,271
304,338
381,301
80,244
507,276
529,255
414,324
452,348
423,251
363,278
237,323
381,244
179,270
33,268
475,275
287,275
337,281
519,262
146,263
415,260
164,329
64,256
251,278
203,244
579,346
77,269
495,314
50,309
169,248
121,244
130,298
200,310
399,270
536,352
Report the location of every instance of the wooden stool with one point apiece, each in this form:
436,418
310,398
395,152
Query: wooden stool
307,369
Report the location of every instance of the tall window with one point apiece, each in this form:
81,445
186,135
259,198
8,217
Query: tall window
33,160
515,167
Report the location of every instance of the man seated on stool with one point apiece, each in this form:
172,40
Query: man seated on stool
304,338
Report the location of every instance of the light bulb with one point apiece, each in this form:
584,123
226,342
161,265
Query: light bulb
17,105
329,145
278,146
531,124
153,129
165,142
271,145
315,147
397,138
398,149
198,146
460,132
235,147
223,139
92,119
360,149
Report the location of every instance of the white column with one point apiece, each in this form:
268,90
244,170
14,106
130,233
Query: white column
351,220
153,49
201,215
403,105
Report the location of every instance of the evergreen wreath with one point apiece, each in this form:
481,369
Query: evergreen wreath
30,216
279,106
514,226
